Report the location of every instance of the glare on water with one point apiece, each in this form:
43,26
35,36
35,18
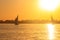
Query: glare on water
51,31
30,32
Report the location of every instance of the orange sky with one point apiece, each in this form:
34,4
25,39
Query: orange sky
26,9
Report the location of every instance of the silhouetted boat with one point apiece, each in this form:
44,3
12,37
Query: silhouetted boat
16,21
54,21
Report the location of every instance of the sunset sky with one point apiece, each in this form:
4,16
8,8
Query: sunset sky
29,9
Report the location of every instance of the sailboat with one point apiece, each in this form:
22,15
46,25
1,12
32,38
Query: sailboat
16,21
52,19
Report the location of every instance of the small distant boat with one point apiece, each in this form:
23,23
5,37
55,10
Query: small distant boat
52,20
16,21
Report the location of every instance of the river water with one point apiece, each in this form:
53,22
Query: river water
29,32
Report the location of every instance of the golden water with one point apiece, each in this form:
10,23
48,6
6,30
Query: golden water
28,32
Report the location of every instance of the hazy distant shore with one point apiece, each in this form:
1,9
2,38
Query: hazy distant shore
27,22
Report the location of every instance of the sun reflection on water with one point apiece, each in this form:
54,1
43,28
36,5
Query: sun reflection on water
50,31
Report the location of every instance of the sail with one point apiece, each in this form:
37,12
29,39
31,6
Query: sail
52,19
16,20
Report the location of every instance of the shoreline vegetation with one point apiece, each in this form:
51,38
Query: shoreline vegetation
27,21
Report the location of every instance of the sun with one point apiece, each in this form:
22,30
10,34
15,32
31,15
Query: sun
48,5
